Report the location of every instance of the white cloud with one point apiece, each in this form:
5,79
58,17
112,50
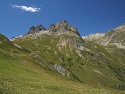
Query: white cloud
28,9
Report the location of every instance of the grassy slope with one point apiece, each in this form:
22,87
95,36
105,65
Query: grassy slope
98,67
107,62
26,77
21,73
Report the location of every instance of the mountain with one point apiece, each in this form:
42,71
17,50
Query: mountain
57,60
115,36
93,37
8,46
112,37
4,39
36,29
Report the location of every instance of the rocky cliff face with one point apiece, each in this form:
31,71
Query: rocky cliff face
115,36
112,37
36,29
62,27
93,37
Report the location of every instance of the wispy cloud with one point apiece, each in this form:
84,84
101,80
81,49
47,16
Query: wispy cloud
25,8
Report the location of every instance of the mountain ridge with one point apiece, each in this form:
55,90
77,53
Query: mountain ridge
61,53
112,37
58,28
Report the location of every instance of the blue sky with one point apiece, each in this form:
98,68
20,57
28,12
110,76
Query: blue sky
89,16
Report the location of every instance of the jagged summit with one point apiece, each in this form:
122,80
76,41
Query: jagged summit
57,29
52,27
36,29
64,27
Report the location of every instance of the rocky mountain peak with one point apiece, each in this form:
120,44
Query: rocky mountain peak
59,28
36,29
63,22
114,36
64,27
52,27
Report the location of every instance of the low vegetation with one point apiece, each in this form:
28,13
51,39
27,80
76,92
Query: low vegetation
60,64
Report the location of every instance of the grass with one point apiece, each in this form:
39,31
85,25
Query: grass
32,73
17,77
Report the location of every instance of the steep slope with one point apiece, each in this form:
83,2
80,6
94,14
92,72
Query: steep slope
24,76
36,29
22,72
113,40
115,36
60,48
112,37
7,47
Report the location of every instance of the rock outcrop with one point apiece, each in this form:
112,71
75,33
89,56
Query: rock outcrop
36,29
61,70
62,27
112,37
52,28
93,37
115,36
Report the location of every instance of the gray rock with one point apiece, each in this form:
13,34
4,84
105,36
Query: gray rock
36,29
60,69
52,28
63,27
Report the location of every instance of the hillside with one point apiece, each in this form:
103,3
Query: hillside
112,37
56,60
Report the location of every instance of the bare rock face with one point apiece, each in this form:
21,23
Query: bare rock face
62,27
60,69
112,37
52,28
93,37
36,29
115,36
